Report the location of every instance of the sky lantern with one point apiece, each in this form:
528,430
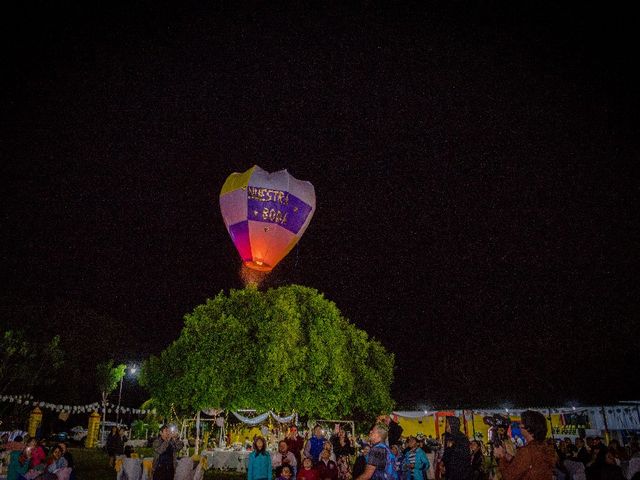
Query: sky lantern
266,214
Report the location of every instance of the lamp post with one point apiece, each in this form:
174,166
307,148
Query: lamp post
133,371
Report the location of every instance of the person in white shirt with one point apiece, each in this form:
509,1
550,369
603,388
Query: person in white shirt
284,457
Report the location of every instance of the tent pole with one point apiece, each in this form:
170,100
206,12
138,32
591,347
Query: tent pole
606,424
473,425
197,449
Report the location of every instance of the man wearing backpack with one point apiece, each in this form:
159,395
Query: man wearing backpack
381,461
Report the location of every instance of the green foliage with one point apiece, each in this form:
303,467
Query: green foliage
284,349
86,337
27,363
108,377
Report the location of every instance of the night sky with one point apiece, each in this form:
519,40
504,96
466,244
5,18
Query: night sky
477,201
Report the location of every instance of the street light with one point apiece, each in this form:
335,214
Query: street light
133,369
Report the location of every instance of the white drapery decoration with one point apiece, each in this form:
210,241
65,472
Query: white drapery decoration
252,421
263,416
293,418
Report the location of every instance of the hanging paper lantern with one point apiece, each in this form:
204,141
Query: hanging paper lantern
266,214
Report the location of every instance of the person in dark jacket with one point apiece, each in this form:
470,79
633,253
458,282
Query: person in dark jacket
343,450
582,454
609,470
477,460
457,453
327,468
165,453
361,461
295,444
114,445
395,432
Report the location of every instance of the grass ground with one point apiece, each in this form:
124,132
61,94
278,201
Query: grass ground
93,464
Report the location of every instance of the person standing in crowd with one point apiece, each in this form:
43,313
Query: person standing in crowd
315,444
415,463
307,472
599,445
581,454
380,461
617,451
327,468
361,461
604,466
260,467
395,449
66,454
55,464
285,473
393,428
561,450
165,453
283,457
477,460
113,445
633,469
343,450
38,455
598,459
18,463
536,460
571,448
456,457
295,443
329,448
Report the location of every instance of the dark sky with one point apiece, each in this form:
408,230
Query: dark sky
473,164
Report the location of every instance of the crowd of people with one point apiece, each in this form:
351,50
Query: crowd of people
314,459
388,456
31,459
385,455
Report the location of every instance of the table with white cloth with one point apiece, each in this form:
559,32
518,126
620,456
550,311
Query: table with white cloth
227,459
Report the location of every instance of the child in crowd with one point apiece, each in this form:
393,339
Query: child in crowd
285,473
307,472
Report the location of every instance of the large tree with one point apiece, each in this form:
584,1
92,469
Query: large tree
107,378
26,363
285,349
85,336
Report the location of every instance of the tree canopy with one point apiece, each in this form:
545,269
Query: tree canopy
285,349
26,363
108,377
85,336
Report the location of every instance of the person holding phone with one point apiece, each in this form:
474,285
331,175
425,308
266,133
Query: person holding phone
165,453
